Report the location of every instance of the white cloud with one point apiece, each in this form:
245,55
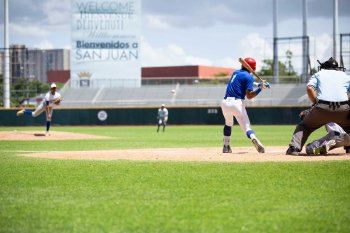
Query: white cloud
170,55
67,46
253,45
323,46
44,44
176,50
174,55
27,30
320,48
57,12
193,60
156,22
226,62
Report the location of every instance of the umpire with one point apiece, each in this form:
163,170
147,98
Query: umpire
327,90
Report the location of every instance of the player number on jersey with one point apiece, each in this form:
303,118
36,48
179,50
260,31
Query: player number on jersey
233,77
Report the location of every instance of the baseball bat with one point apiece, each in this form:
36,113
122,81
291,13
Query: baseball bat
250,69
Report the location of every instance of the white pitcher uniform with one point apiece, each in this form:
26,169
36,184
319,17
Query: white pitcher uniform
162,116
47,101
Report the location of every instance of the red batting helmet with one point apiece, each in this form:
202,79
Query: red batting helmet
251,62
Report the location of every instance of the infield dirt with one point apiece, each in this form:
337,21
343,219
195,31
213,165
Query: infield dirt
240,154
210,154
40,135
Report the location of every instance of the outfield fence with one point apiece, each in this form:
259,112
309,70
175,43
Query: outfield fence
147,116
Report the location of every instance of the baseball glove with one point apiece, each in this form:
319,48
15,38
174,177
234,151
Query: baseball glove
57,101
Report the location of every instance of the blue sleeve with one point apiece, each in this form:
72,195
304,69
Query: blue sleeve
313,81
250,83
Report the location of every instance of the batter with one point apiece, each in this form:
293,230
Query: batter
241,84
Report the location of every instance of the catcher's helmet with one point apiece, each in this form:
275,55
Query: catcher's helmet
330,64
251,62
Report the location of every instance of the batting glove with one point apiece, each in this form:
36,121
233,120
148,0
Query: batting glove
267,84
257,85
261,86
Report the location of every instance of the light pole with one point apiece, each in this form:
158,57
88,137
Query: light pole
335,28
6,79
305,43
275,46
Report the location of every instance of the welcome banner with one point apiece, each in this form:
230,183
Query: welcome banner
105,43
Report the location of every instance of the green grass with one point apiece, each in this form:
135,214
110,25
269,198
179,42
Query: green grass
146,137
43,195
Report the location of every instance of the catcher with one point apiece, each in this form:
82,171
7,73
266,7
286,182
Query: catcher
335,137
52,99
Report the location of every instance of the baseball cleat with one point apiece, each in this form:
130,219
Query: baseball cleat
47,133
324,148
347,149
292,151
226,149
20,113
259,147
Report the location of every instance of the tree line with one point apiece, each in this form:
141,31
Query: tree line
23,89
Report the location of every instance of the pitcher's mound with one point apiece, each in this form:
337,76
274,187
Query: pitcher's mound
40,135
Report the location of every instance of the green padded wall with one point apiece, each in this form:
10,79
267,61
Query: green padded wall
147,116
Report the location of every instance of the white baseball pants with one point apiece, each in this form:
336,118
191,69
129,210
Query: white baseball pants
40,109
232,107
163,120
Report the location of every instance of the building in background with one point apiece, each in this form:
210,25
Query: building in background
48,60
165,75
18,61
53,65
35,63
184,74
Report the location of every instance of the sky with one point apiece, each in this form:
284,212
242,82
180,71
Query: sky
195,32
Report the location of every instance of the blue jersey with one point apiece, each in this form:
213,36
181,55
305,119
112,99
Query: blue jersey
240,81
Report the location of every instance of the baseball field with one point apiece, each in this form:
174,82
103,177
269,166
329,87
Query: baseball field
132,179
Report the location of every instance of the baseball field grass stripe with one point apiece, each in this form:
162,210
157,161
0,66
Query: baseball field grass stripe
146,137
22,151
46,195
83,196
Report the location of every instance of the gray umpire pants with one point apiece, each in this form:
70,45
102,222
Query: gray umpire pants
320,115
